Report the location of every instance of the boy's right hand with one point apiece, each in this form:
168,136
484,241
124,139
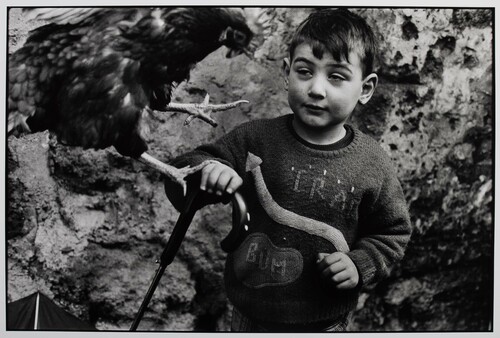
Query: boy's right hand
219,179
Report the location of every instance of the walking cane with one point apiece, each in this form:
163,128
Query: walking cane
228,244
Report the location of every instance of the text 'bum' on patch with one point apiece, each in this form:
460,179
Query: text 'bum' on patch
258,263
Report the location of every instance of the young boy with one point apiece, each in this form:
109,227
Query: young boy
328,214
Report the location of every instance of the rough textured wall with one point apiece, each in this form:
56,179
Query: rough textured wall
85,227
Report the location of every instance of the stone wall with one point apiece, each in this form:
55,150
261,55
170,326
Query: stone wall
85,227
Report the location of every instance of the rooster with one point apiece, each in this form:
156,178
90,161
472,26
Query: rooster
93,75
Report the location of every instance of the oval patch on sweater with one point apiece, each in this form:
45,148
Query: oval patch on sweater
258,263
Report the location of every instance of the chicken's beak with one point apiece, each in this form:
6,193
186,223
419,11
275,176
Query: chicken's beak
235,52
231,53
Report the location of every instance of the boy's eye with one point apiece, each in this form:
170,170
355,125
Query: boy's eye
336,77
303,71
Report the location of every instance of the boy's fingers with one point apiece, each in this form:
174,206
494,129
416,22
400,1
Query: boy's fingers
222,182
341,277
325,260
333,269
234,184
212,179
219,179
336,267
205,172
347,284
336,256
322,255
321,260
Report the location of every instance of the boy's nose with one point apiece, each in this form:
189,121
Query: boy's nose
317,89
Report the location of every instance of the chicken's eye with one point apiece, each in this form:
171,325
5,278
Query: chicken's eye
239,37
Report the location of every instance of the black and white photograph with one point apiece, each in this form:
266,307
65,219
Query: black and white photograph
214,168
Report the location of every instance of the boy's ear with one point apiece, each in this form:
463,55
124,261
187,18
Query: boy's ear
369,84
286,71
286,66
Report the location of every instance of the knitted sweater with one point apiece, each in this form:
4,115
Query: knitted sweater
305,199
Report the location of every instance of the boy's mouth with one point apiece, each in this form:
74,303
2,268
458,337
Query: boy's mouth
314,107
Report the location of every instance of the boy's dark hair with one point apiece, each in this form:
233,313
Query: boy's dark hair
338,32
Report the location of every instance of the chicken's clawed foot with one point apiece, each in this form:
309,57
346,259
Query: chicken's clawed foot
202,110
177,175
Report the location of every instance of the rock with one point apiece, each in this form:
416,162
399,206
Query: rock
85,227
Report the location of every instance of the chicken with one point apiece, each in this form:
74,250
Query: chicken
93,75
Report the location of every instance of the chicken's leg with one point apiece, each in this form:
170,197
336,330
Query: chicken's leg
175,174
202,110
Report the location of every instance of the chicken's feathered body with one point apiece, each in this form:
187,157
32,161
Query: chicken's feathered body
90,77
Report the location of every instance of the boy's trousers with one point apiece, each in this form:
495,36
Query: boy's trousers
241,323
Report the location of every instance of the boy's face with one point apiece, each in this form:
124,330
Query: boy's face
322,93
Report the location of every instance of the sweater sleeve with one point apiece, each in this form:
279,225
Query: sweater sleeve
384,233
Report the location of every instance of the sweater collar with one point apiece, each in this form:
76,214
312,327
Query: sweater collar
340,144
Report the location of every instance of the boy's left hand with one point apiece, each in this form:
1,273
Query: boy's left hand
339,269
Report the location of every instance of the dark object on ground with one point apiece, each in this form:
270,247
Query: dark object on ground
38,312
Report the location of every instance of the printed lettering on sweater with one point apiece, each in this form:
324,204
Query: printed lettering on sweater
319,184
258,263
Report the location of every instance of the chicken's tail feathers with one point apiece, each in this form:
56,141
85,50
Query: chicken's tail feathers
60,16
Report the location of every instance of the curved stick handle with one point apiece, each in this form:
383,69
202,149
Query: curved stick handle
239,227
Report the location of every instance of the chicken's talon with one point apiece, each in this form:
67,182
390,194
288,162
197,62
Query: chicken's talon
202,110
206,100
